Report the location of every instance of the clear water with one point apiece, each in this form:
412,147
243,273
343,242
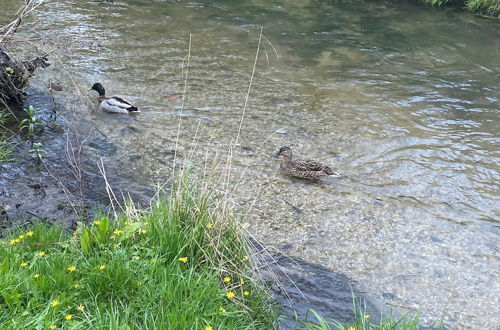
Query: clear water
403,100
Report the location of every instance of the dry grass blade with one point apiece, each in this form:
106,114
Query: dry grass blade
8,30
182,104
109,190
249,87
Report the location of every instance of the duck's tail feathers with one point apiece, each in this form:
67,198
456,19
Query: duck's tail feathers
133,109
332,173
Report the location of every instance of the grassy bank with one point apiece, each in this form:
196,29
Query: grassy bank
488,7
179,265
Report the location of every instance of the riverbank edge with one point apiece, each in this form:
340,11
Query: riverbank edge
55,278
186,257
486,8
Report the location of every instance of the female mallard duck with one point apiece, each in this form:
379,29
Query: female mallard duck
113,103
302,168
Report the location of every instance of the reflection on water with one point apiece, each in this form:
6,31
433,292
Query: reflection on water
403,101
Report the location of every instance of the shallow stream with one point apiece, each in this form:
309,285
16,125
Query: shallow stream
403,100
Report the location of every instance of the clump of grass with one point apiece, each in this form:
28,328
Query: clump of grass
5,146
435,2
181,264
364,321
5,149
491,7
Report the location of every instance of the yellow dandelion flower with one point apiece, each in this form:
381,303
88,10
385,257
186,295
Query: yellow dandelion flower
126,223
227,279
222,309
101,267
54,303
76,286
14,241
366,316
136,257
246,293
68,317
30,233
20,236
24,264
143,231
184,259
81,308
97,222
210,225
242,281
72,268
41,254
53,326
36,275
351,328
118,232
230,294
208,328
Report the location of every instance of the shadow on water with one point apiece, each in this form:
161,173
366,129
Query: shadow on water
303,286
299,287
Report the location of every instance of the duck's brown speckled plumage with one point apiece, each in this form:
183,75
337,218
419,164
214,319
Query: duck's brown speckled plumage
302,168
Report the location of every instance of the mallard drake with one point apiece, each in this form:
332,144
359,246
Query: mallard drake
113,103
302,168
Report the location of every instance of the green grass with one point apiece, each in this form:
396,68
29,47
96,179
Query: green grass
5,149
179,265
362,320
491,7
483,5
5,146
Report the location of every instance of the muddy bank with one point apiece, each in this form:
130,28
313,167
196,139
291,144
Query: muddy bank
66,186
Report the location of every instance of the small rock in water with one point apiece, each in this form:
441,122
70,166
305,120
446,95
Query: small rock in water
172,96
282,130
134,158
55,87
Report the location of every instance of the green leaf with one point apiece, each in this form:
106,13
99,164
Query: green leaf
12,299
103,230
129,231
22,124
85,242
9,70
4,267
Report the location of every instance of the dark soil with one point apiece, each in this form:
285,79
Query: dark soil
51,189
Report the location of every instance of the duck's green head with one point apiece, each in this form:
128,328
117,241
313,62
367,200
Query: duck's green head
98,87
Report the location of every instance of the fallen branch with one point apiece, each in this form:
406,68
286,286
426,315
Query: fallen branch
14,73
